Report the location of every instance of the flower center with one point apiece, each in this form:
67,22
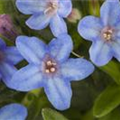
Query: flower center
50,66
51,8
107,34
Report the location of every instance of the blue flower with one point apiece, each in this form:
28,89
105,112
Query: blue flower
49,67
13,112
9,56
46,12
104,32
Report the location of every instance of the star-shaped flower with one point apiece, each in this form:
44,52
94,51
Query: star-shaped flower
9,56
104,32
45,12
49,67
13,112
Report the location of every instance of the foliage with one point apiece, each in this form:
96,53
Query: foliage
95,98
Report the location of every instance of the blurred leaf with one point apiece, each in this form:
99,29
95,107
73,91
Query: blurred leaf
8,95
94,7
112,69
49,114
88,115
35,100
107,101
115,115
2,6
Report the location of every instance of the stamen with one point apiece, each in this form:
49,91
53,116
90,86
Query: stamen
47,10
50,66
107,34
54,5
49,63
52,69
47,71
51,8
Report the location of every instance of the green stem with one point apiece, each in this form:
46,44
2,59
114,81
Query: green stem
75,54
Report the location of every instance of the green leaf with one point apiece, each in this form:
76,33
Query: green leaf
115,115
1,7
49,114
107,101
35,100
94,8
113,70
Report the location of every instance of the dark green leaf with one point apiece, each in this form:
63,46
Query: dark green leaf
49,114
107,101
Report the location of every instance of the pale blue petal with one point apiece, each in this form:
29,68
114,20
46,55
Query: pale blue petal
27,78
61,47
110,12
89,28
7,70
12,55
59,93
13,112
38,21
100,53
2,44
116,49
65,8
31,6
58,25
76,69
31,48
0,76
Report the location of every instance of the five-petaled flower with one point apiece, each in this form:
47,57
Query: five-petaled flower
13,112
46,12
49,67
9,56
104,32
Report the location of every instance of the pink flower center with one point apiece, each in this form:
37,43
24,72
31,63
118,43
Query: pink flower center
107,33
50,66
51,8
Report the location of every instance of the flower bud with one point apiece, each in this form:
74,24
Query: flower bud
7,28
74,15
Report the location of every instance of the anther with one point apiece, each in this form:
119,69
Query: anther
52,69
51,8
47,71
54,5
108,34
49,63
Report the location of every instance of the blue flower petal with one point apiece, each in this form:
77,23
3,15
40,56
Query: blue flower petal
12,55
61,47
7,70
65,8
58,25
0,76
13,112
59,93
116,49
76,69
100,53
27,78
31,6
38,21
2,44
110,12
89,28
31,48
